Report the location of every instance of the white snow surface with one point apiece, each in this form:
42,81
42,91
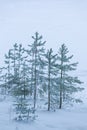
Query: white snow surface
65,119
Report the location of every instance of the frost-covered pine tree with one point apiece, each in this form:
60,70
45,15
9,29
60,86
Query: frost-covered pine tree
8,70
36,52
23,107
11,62
20,89
17,72
67,82
51,64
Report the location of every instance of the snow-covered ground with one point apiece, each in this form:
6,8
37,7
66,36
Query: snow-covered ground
69,119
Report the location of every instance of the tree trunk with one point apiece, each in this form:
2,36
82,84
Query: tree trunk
61,87
49,92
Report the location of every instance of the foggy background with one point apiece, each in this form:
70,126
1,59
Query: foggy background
59,21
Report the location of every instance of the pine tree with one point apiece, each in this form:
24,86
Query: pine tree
17,69
36,52
8,74
20,89
67,83
51,77
11,63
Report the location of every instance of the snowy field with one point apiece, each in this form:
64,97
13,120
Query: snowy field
68,119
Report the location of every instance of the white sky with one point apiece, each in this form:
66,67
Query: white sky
59,21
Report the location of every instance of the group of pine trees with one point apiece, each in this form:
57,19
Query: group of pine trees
31,73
